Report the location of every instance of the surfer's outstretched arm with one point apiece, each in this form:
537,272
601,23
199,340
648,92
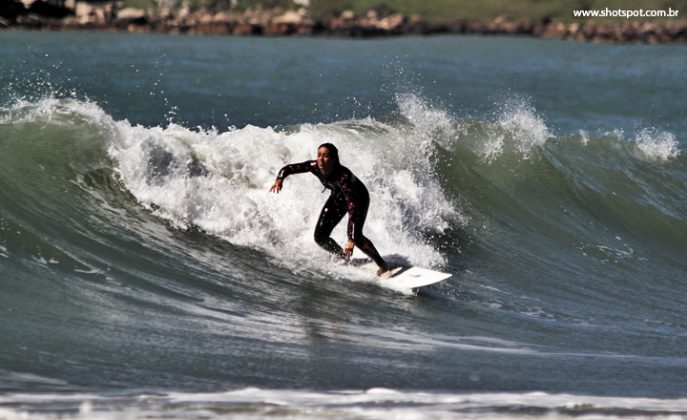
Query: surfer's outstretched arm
294,168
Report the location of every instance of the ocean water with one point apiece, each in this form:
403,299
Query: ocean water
145,270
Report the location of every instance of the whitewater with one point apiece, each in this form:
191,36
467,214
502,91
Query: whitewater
146,271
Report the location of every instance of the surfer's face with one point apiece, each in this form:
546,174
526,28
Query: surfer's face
325,163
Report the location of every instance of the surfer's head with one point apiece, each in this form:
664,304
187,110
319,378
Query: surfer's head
327,158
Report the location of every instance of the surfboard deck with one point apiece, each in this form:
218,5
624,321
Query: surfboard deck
407,276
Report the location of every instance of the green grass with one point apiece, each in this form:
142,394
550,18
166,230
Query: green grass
487,10
214,5
442,10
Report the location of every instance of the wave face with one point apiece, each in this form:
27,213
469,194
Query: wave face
138,260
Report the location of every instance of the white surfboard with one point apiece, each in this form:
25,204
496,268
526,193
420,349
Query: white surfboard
407,277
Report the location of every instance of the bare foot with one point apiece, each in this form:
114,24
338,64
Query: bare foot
384,271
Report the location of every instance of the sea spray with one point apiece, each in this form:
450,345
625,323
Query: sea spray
518,128
524,126
655,145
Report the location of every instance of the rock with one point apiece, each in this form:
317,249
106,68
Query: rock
392,22
50,10
573,29
218,23
221,17
347,15
289,18
290,23
11,9
184,12
132,15
83,9
87,15
245,28
555,30
31,20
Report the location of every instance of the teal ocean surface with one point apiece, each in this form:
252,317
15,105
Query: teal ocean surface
146,271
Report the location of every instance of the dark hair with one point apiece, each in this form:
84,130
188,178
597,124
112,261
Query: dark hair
333,151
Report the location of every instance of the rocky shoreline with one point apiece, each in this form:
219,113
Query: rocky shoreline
46,15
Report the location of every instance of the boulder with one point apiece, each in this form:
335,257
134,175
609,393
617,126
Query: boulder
221,17
131,14
347,15
246,28
49,10
555,30
205,18
11,9
391,22
289,18
85,13
290,23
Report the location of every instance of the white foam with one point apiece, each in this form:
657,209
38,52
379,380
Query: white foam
518,128
429,123
584,137
232,200
372,403
524,126
55,111
656,145
424,403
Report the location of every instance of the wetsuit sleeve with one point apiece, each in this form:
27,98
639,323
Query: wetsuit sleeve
345,182
296,168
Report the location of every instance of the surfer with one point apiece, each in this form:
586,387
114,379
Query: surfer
348,195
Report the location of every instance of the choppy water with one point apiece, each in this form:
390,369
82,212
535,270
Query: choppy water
146,271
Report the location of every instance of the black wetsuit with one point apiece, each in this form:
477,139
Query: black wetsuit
349,195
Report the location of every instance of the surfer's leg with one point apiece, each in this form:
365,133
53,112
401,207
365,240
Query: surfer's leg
369,249
332,213
361,241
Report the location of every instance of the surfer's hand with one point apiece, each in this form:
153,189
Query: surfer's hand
348,250
276,187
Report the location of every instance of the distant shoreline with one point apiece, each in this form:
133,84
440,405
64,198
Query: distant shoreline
42,15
